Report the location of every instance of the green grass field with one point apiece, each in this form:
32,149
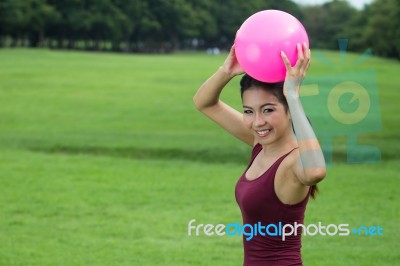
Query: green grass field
104,161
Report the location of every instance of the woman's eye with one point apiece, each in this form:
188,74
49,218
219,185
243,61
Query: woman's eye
268,110
247,112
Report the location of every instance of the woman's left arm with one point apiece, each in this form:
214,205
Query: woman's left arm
310,168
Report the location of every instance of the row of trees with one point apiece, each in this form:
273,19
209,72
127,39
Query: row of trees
168,25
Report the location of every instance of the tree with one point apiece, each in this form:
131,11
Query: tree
105,20
74,22
327,23
203,22
140,23
13,20
168,25
40,16
382,31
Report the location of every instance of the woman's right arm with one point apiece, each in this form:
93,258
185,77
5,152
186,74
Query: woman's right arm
207,100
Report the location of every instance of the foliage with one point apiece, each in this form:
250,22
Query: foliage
170,25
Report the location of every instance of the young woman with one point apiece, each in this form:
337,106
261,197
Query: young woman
286,162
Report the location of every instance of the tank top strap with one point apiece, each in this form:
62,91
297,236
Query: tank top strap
284,156
256,150
290,151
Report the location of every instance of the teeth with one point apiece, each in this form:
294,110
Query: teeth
263,132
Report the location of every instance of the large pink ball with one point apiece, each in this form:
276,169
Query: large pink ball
260,40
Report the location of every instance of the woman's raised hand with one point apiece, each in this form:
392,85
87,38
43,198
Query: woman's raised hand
231,65
296,74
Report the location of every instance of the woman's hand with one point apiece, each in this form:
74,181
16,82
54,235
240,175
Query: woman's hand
296,74
231,65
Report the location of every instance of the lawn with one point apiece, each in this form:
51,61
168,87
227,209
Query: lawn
104,161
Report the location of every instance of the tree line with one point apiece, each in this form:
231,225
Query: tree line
170,25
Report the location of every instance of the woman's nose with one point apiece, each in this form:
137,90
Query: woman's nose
259,120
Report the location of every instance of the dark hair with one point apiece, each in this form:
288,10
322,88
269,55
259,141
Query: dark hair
276,89
247,82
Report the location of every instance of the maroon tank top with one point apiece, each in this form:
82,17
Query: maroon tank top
258,202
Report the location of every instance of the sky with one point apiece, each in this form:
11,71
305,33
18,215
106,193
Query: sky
356,3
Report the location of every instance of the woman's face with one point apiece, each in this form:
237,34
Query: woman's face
265,116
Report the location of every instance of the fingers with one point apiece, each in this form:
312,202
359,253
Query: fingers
306,52
304,58
232,51
286,61
300,54
303,55
309,59
307,56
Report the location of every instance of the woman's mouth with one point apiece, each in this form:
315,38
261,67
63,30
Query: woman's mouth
263,133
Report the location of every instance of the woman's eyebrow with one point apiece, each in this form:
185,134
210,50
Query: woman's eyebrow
273,104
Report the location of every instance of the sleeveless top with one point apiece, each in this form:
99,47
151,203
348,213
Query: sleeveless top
259,203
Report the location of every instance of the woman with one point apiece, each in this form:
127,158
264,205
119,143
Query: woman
286,163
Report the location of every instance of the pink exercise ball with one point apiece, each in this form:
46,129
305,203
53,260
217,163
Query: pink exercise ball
260,40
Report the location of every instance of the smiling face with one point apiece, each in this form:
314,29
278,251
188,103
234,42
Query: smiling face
265,116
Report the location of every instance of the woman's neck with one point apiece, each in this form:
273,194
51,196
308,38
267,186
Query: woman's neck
279,147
